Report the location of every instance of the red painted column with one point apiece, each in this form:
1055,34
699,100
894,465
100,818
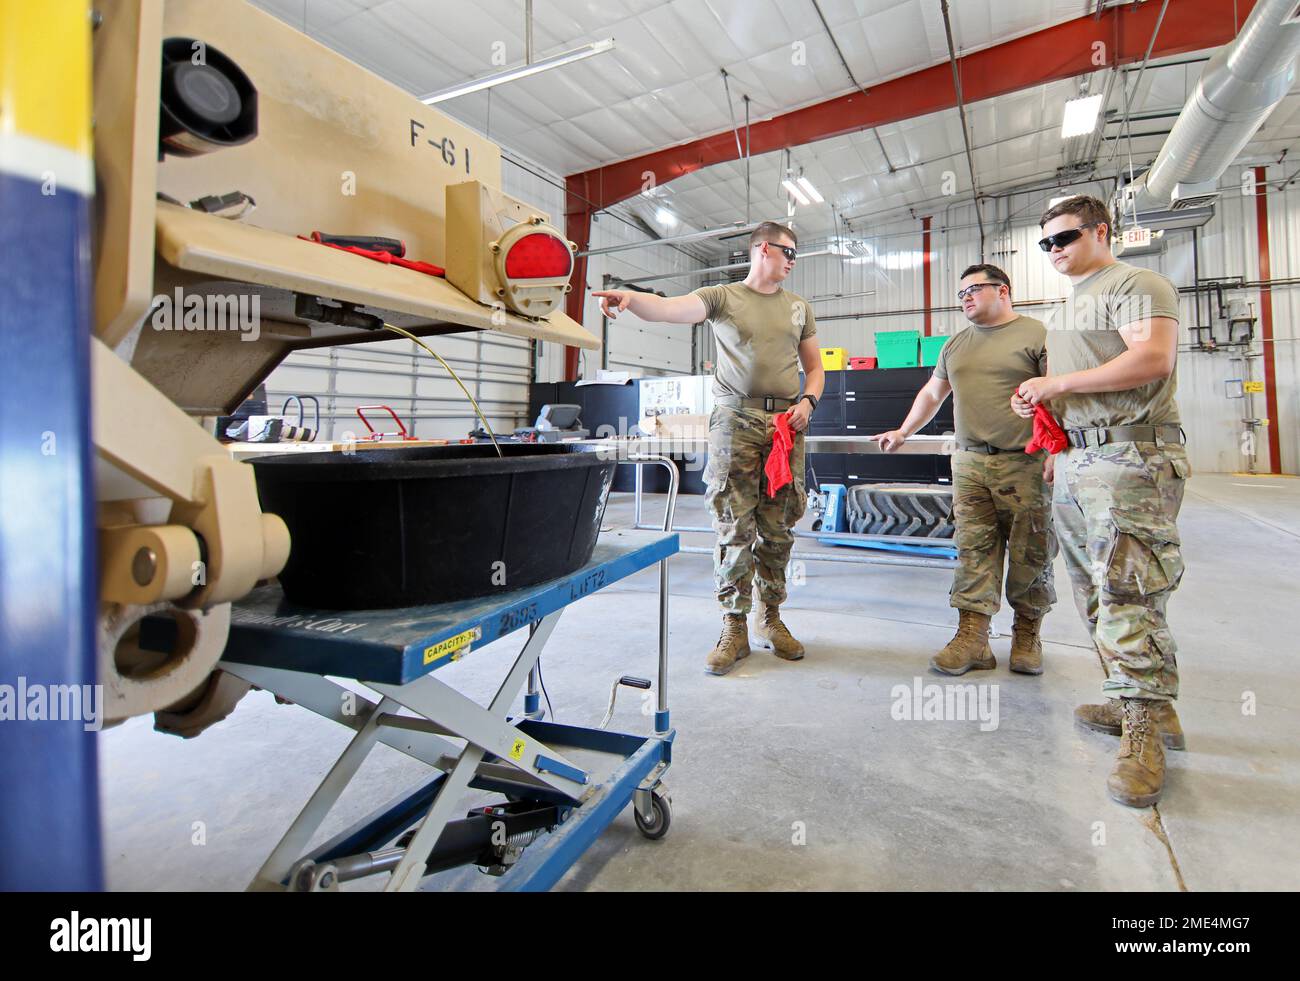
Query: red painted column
577,226
1266,322
925,273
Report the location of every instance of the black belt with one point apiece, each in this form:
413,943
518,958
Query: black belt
767,403
1081,438
988,448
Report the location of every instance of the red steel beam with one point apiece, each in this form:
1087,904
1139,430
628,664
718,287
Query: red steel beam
1266,321
1057,52
1118,37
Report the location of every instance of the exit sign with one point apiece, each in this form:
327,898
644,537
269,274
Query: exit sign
1137,238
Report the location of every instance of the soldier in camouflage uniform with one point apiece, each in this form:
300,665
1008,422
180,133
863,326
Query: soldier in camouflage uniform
763,334
1002,503
754,529
1113,360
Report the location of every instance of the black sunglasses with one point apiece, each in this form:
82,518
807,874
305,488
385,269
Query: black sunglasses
1062,239
788,252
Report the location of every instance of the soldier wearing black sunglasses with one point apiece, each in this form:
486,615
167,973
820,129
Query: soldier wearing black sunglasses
1119,485
763,334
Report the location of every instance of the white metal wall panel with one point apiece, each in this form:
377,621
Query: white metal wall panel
834,286
633,344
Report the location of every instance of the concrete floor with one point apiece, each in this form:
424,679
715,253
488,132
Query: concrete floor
796,776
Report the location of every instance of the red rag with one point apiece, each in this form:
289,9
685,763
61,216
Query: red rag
428,268
777,467
1048,435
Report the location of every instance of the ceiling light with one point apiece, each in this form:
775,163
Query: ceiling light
811,191
795,192
1080,116
523,71
665,217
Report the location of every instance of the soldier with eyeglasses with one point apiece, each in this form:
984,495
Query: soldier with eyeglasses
1001,501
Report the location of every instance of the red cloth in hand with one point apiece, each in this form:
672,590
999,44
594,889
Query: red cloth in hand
1048,435
777,467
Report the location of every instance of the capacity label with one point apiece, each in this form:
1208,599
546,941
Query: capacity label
455,647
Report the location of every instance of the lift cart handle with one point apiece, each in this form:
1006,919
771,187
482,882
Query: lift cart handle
401,429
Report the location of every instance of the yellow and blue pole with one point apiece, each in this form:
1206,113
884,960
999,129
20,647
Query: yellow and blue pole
49,794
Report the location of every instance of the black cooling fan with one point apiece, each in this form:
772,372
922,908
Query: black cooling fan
207,102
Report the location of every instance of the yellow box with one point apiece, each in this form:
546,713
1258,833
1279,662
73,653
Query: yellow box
835,358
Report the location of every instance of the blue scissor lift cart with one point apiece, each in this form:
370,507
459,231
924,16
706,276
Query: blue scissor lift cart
562,785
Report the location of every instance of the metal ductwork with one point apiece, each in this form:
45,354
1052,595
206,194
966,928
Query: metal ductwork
1238,89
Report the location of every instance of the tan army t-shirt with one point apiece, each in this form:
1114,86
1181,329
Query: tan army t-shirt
1085,334
985,365
758,336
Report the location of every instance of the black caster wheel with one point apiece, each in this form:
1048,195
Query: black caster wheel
662,805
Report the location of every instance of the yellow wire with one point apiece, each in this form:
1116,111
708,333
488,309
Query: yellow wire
477,410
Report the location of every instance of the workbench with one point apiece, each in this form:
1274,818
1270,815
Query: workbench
640,449
578,779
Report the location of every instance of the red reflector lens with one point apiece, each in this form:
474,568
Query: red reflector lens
539,256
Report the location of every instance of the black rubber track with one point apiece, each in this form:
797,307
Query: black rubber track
909,510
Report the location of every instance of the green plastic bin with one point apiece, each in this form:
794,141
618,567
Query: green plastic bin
930,347
897,348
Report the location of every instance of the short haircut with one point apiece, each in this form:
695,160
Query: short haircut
770,231
1090,210
991,271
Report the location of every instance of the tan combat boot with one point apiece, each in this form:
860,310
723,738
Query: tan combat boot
771,634
969,649
1109,719
732,645
1139,773
1026,648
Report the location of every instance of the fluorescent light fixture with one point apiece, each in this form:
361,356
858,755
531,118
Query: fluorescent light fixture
795,192
665,217
1080,116
523,71
811,191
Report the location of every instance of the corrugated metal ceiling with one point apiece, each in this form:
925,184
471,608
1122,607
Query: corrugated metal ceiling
662,85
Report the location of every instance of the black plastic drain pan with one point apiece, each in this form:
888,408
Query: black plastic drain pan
382,528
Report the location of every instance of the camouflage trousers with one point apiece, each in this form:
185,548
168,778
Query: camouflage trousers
1002,508
1116,507
754,530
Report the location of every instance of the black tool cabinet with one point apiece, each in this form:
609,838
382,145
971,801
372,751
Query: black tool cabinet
854,403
